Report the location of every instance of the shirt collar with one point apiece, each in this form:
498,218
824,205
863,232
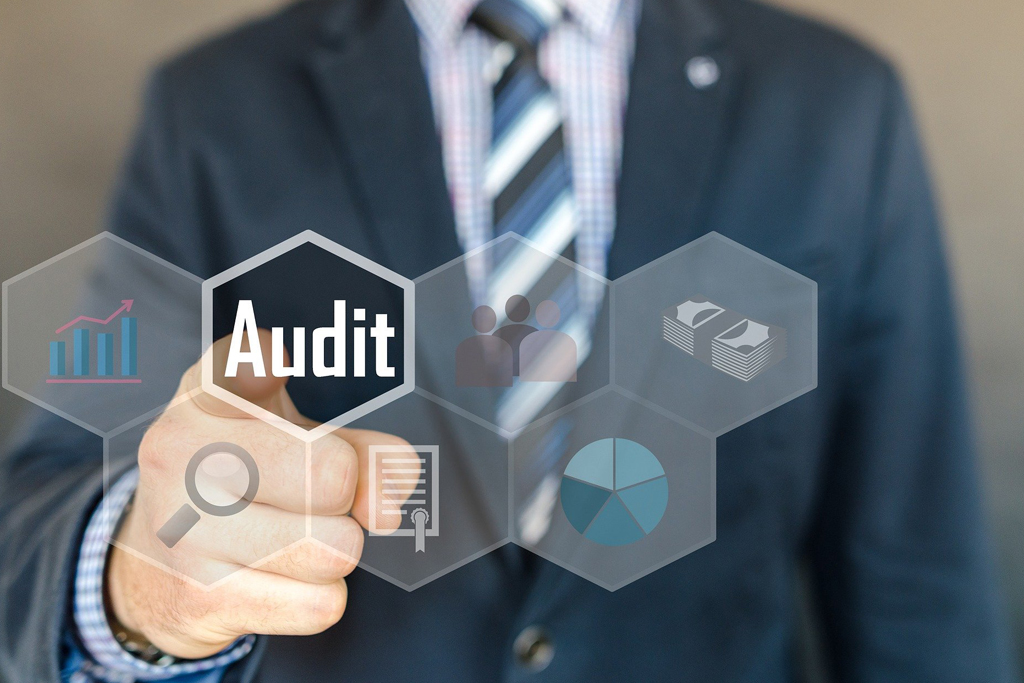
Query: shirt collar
442,21
597,17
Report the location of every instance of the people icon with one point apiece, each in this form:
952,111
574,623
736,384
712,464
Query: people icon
493,357
484,360
517,310
547,355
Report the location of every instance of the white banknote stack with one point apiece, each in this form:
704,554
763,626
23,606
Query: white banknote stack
728,341
745,349
680,324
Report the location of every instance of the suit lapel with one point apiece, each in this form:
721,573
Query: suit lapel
673,142
371,79
674,133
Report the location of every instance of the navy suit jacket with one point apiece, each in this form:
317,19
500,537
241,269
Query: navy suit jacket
319,118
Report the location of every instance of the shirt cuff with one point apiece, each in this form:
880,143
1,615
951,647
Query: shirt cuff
110,661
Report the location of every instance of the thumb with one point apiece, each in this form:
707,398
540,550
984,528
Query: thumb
266,392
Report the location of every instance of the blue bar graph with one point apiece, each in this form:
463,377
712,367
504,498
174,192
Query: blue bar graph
103,369
57,359
104,354
81,355
129,347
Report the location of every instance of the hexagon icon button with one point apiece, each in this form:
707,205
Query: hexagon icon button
436,490
511,332
101,333
612,490
212,506
715,333
341,331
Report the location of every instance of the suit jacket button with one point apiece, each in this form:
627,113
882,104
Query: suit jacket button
702,71
533,649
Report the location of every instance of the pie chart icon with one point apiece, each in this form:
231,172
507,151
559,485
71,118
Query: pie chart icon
614,492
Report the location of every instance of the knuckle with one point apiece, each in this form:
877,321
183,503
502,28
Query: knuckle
161,448
333,474
347,545
328,606
330,564
191,378
153,449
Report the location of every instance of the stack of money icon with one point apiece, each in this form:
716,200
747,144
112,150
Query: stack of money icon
728,341
680,323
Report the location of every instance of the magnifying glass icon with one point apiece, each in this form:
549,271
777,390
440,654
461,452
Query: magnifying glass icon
182,521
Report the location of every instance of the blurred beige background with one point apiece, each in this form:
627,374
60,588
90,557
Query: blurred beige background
70,74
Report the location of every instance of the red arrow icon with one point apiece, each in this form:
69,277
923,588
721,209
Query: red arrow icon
125,308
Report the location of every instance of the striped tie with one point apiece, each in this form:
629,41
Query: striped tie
527,174
528,181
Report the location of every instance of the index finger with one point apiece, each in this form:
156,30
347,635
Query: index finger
393,488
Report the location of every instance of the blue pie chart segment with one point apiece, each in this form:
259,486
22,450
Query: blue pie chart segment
582,502
614,525
634,464
594,464
614,492
647,502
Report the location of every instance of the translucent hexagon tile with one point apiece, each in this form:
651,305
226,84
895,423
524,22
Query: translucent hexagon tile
715,333
101,333
432,494
435,501
535,339
342,326
613,490
215,495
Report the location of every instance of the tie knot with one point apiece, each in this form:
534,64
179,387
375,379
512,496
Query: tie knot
520,22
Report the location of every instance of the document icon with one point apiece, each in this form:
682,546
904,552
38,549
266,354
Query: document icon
404,482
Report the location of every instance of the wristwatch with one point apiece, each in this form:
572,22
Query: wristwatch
139,647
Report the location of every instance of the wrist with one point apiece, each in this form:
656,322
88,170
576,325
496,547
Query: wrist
117,601
128,600
119,609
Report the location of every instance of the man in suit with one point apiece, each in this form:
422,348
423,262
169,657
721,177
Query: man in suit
674,118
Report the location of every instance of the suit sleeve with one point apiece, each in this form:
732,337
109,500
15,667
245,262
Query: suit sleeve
900,553
52,478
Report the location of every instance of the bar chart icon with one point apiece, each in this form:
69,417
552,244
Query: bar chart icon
83,352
